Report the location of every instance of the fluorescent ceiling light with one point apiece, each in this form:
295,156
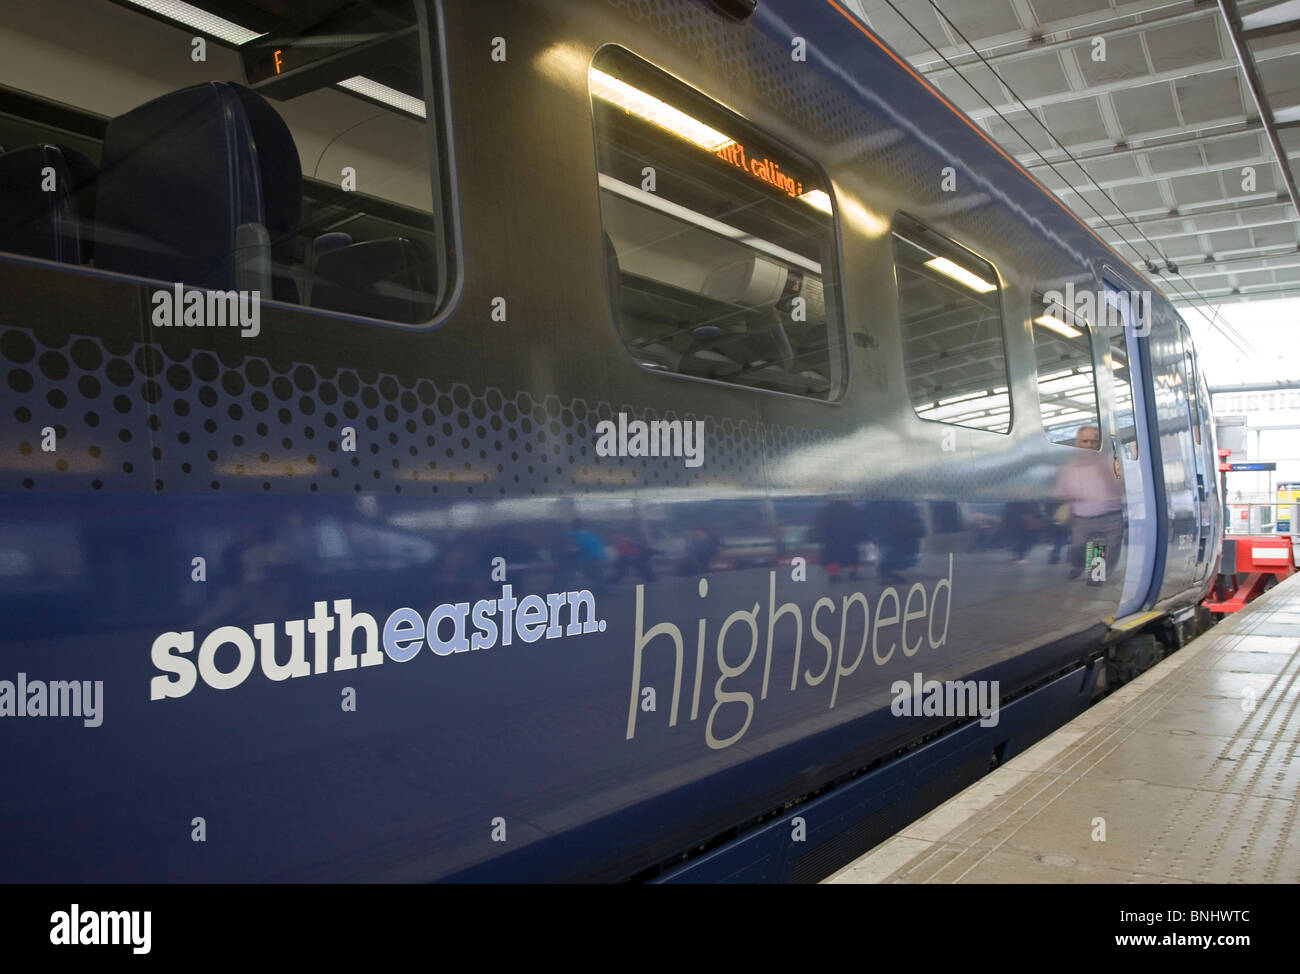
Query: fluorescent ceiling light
817,199
650,108
1058,326
190,16
1285,116
966,398
1272,16
960,274
385,95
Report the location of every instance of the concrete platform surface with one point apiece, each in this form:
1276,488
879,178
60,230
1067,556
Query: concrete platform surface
1189,774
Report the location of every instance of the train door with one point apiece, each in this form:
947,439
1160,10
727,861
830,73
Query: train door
1130,440
1204,496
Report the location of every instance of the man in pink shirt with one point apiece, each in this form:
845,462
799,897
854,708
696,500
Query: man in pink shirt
1090,484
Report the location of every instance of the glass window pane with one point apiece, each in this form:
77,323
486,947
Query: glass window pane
291,160
719,243
1122,383
954,353
1067,385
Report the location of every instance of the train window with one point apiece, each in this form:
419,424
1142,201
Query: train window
1067,381
719,243
954,353
1121,375
1189,366
283,149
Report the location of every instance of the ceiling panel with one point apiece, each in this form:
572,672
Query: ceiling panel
1041,74
1075,121
1211,96
1183,45
1179,131
985,18
1232,150
1125,59
1145,108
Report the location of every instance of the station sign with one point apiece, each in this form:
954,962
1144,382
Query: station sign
1246,467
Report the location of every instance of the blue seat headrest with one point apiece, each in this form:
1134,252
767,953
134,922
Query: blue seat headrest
183,172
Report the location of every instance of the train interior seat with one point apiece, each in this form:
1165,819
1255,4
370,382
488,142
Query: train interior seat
203,186
46,203
691,301
643,337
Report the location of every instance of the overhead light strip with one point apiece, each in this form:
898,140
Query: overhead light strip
646,106
1058,326
385,95
818,200
188,15
961,275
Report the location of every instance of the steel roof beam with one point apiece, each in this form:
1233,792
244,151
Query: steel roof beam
1249,68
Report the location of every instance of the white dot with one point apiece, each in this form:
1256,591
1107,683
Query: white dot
601,627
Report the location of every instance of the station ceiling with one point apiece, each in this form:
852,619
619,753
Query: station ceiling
1175,163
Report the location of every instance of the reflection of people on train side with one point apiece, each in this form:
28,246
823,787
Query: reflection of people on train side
701,546
1058,530
839,531
1022,523
633,554
897,529
1088,483
585,553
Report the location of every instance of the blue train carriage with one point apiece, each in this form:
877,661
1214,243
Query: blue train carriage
547,442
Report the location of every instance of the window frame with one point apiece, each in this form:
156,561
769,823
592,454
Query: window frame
906,219
832,269
1076,320
448,271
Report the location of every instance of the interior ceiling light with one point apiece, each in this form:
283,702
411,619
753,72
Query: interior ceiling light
960,274
646,106
198,19
818,200
385,95
1058,326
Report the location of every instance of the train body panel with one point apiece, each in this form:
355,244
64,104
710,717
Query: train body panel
359,600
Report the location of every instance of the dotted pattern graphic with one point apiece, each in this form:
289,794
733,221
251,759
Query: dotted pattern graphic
215,426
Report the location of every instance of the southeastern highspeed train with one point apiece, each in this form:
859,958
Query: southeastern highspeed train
546,441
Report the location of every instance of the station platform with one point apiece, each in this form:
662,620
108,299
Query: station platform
1188,774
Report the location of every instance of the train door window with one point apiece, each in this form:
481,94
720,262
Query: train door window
1067,381
954,352
285,149
719,242
1121,375
1189,368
